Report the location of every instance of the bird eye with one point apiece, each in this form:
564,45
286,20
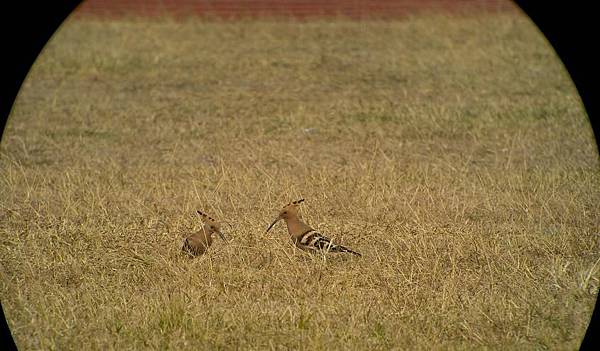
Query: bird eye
284,212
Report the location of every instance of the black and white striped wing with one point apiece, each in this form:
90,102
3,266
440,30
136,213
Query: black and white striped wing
315,241
187,248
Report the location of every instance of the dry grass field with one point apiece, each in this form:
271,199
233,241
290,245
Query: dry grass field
453,153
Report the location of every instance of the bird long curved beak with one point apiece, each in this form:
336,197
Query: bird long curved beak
221,235
272,224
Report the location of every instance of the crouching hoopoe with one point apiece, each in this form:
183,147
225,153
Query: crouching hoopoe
303,236
197,243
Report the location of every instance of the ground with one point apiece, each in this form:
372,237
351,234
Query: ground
452,152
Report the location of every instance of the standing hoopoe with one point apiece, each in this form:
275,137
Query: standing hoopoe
303,235
197,243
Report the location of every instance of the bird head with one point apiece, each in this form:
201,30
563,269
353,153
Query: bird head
210,225
286,212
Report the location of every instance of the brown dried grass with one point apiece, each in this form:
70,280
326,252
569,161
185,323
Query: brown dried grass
453,153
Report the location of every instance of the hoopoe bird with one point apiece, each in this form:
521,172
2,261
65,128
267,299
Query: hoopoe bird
303,236
197,243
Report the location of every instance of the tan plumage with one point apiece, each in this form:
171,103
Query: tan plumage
304,236
197,243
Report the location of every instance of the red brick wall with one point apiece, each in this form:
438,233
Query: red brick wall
284,8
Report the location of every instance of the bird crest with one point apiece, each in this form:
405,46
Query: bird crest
294,203
206,217
211,222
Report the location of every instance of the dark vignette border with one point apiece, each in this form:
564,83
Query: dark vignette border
26,27
570,29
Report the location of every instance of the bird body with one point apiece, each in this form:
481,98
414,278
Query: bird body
303,235
315,241
197,243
